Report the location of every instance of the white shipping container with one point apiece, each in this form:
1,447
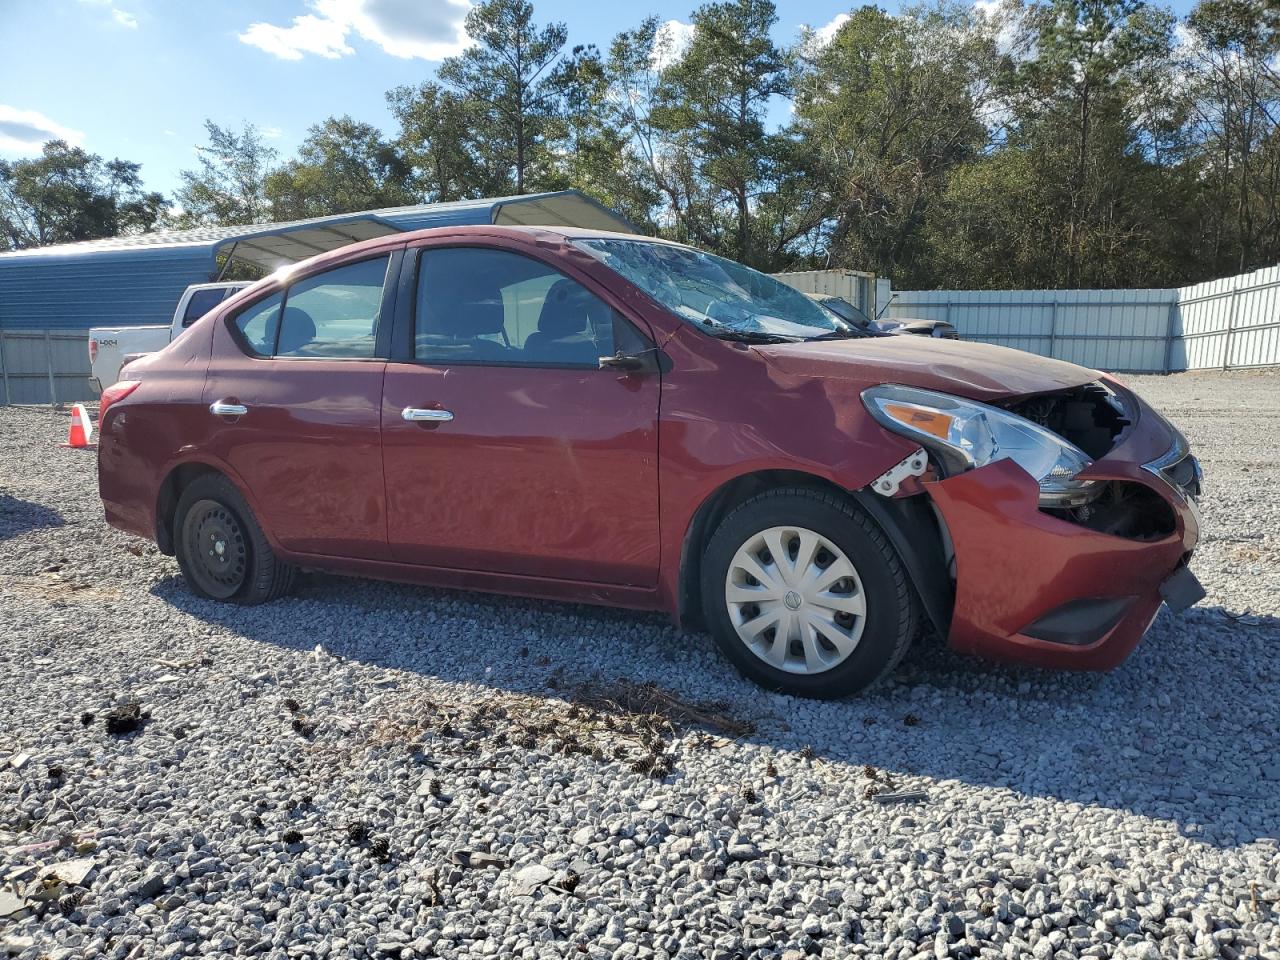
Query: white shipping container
855,286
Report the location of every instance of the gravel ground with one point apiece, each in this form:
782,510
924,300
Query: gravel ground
373,770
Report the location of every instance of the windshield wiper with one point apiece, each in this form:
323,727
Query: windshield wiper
726,332
752,336
852,334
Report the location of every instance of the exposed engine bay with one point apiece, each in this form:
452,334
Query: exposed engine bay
1091,416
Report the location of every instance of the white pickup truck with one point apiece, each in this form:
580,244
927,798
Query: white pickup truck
110,348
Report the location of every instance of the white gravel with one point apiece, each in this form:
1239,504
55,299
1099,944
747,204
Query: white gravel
1131,814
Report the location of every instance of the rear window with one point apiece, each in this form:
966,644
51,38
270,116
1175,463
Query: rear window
333,314
201,302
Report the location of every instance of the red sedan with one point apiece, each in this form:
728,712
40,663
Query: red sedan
610,419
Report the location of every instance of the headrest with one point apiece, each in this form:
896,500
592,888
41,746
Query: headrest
565,309
472,318
297,331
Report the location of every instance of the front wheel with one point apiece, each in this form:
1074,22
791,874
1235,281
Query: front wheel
222,550
804,594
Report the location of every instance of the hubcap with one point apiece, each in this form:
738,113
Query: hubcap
795,600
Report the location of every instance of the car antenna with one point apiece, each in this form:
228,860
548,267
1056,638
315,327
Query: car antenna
887,304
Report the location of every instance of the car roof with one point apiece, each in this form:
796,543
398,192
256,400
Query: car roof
569,233
529,234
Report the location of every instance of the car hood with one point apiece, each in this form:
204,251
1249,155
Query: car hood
978,371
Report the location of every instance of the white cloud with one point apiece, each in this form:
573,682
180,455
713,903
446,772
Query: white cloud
406,29
272,133
24,131
123,17
813,40
308,34
823,35
670,43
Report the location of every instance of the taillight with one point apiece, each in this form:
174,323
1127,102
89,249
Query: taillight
117,391
93,350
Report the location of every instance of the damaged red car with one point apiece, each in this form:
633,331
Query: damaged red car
611,419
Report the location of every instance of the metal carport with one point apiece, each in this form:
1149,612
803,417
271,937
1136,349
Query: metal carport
50,296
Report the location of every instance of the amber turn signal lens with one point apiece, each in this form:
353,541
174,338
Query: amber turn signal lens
930,421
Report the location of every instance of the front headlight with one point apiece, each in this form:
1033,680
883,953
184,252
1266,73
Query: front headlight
964,434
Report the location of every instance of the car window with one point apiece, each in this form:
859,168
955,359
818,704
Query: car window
476,305
257,324
335,313
201,302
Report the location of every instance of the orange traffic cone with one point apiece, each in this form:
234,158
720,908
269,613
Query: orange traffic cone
81,431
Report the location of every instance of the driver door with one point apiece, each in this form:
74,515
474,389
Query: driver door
506,448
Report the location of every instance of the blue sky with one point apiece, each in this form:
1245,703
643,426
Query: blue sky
136,78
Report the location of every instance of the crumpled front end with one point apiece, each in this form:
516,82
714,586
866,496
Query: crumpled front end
1077,586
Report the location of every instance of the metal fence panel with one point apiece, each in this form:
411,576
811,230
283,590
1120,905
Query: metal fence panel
1231,322
1124,330
43,366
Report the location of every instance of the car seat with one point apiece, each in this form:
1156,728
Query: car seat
460,329
564,333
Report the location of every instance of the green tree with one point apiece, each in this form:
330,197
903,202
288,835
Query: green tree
713,100
1077,195
67,194
342,166
435,141
884,113
230,185
512,88
1234,59
607,148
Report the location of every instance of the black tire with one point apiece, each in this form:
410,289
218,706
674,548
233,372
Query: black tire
892,611
244,568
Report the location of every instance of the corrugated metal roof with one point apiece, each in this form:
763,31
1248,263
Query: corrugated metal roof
124,281
196,237
568,208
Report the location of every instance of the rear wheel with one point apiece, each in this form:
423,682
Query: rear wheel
222,550
804,594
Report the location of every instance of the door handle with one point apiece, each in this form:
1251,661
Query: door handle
419,415
222,408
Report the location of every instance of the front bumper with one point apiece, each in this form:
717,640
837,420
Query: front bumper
1047,591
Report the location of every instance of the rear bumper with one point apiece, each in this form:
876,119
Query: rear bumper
1034,588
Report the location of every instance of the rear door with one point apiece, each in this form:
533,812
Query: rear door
293,395
507,448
